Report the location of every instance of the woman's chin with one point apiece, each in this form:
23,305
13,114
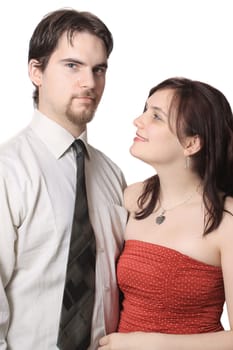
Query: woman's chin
134,153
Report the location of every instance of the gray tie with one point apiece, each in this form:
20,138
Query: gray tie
79,292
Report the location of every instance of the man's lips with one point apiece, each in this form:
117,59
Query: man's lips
88,96
85,99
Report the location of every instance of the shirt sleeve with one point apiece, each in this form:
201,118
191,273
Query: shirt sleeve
8,231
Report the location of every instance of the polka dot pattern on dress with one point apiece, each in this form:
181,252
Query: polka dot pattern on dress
169,292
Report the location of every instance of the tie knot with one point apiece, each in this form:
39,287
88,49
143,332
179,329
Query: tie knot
79,147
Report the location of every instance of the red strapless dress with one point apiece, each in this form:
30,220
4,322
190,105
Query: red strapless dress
168,292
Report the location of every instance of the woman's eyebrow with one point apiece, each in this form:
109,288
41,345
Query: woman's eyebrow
157,109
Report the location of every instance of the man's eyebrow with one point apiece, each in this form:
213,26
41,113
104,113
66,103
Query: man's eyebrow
73,60
81,63
104,65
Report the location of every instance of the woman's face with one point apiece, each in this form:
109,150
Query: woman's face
155,143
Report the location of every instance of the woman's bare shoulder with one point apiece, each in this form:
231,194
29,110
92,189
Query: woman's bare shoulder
226,224
131,195
229,204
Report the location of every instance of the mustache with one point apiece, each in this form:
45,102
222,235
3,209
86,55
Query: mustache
87,93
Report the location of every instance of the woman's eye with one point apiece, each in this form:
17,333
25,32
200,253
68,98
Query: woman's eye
156,116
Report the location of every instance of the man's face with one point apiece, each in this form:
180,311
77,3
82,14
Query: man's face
72,84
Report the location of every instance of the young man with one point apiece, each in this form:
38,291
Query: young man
68,56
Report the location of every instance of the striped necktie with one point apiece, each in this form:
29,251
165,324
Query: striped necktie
79,292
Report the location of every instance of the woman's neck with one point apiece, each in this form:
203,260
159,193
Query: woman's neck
175,189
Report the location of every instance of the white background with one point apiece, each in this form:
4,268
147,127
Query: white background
153,40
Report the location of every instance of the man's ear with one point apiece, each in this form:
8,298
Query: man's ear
34,72
192,145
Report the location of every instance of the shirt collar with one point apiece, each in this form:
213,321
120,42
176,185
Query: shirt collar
54,136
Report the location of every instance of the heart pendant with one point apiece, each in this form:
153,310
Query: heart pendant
160,219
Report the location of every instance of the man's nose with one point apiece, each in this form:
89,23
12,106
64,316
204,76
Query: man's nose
86,79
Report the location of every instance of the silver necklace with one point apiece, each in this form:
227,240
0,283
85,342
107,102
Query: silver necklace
161,217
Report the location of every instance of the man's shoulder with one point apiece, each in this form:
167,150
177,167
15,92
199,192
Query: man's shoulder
13,143
103,159
106,168
13,150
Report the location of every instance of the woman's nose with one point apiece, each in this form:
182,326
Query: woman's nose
138,122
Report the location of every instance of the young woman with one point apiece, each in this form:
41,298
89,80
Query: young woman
176,269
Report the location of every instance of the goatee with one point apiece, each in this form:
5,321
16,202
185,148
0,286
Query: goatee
82,116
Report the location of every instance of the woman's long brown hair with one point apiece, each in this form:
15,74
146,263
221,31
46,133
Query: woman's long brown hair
202,110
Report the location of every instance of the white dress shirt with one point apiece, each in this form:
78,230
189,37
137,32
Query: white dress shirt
37,192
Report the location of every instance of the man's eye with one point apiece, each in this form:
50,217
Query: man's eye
100,70
71,65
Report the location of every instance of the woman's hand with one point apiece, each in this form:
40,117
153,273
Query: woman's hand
122,341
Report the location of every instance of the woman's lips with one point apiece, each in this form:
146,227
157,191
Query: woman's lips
140,138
